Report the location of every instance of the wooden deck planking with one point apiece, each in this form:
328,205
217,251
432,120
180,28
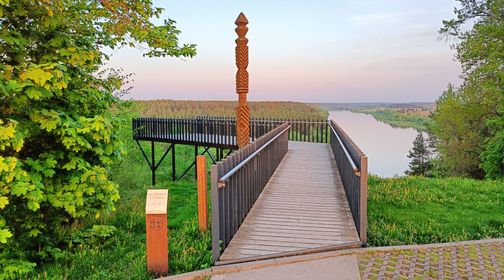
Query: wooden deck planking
302,207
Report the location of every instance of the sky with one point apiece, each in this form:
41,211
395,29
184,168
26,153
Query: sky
307,51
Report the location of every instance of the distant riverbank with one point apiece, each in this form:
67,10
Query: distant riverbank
405,115
414,118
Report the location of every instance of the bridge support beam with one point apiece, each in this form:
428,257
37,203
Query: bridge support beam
153,166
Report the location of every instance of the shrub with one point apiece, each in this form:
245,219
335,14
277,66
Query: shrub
57,135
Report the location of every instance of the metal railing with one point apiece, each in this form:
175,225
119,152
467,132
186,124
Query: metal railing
218,132
222,131
301,130
238,181
352,166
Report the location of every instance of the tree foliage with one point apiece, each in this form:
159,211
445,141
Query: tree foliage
57,134
459,124
258,109
469,120
421,156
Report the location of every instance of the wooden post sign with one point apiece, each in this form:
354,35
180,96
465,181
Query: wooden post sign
242,82
156,222
202,192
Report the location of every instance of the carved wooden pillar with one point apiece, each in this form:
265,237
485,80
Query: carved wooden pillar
242,83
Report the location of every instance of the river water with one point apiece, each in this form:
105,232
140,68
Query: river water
386,146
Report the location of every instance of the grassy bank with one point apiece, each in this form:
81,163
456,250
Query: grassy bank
415,210
418,119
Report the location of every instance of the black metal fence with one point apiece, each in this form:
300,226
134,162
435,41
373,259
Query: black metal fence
352,166
238,180
222,131
214,132
301,130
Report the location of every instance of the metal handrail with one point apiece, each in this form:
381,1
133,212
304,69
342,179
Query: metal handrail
223,179
347,154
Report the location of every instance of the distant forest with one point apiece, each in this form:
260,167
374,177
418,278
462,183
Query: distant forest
189,109
374,105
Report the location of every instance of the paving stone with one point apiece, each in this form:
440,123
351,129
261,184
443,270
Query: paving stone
465,261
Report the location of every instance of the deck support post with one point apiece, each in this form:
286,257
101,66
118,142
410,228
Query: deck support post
173,160
153,164
195,158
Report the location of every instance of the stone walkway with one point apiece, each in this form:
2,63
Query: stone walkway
483,259
467,260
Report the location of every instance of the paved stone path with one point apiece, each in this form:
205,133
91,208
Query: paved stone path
474,260
483,259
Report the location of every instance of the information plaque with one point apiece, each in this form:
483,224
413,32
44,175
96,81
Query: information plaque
156,222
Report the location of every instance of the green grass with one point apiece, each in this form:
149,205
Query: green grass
417,210
398,119
407,210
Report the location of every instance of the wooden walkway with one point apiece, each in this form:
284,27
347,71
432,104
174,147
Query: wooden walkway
302,207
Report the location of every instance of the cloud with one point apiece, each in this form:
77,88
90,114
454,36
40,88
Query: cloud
392,17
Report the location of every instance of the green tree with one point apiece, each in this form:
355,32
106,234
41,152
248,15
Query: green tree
57,134
420,156
459,125
468,121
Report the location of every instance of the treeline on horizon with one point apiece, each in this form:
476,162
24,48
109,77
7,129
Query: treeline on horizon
375,105
167,108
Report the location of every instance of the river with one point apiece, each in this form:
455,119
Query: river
386,146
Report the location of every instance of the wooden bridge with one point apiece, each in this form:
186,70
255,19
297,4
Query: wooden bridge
303,206
298,187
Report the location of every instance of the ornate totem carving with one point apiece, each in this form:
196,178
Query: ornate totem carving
242,83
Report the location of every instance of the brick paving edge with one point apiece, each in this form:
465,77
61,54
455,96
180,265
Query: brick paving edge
200,274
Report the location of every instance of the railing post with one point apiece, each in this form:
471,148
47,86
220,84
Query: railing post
215,214
363,219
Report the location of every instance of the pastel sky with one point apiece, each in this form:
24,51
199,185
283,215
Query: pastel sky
310,51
